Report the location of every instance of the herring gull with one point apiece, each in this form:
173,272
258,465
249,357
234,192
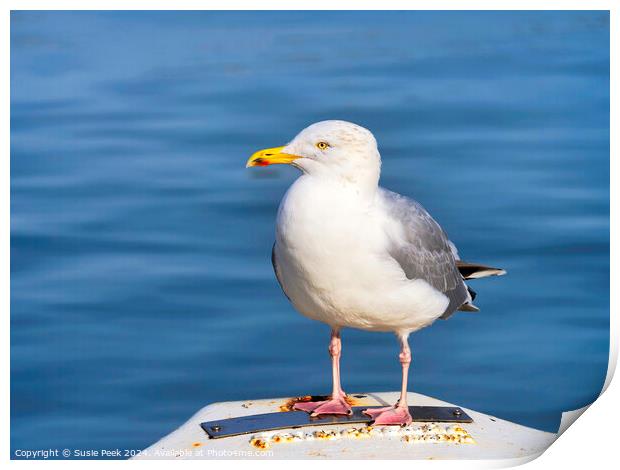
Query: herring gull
350,253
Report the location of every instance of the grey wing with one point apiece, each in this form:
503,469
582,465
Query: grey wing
424,251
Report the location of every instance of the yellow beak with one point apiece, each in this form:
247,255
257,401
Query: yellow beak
270,157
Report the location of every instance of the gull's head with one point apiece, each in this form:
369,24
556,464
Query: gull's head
328,148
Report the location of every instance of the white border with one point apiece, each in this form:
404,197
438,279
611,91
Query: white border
590,443
310,5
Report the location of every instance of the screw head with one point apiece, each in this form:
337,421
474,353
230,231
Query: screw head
216,428
457,412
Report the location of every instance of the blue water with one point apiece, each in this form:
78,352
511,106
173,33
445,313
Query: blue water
141,282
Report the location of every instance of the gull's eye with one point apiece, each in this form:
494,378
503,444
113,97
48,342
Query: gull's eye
322,145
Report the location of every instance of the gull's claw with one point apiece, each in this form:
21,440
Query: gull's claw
334,406
396,415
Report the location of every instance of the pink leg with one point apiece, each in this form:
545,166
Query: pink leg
336,405
399,413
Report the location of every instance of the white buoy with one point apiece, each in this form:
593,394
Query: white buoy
487,437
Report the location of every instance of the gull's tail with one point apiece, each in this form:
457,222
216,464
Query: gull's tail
475,271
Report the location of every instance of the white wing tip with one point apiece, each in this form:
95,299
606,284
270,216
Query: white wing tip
487,273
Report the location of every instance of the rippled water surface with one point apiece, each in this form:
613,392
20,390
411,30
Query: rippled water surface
141,282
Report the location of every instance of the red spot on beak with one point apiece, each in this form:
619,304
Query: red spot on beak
261,162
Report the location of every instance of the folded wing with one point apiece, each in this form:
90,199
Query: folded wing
423,250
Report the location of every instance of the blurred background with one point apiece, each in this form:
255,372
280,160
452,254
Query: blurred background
141,281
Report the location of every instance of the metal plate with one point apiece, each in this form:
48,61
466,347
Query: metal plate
298,419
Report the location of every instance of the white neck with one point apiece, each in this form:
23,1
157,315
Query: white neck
359,176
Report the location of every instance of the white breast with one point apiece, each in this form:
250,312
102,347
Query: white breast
334,266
